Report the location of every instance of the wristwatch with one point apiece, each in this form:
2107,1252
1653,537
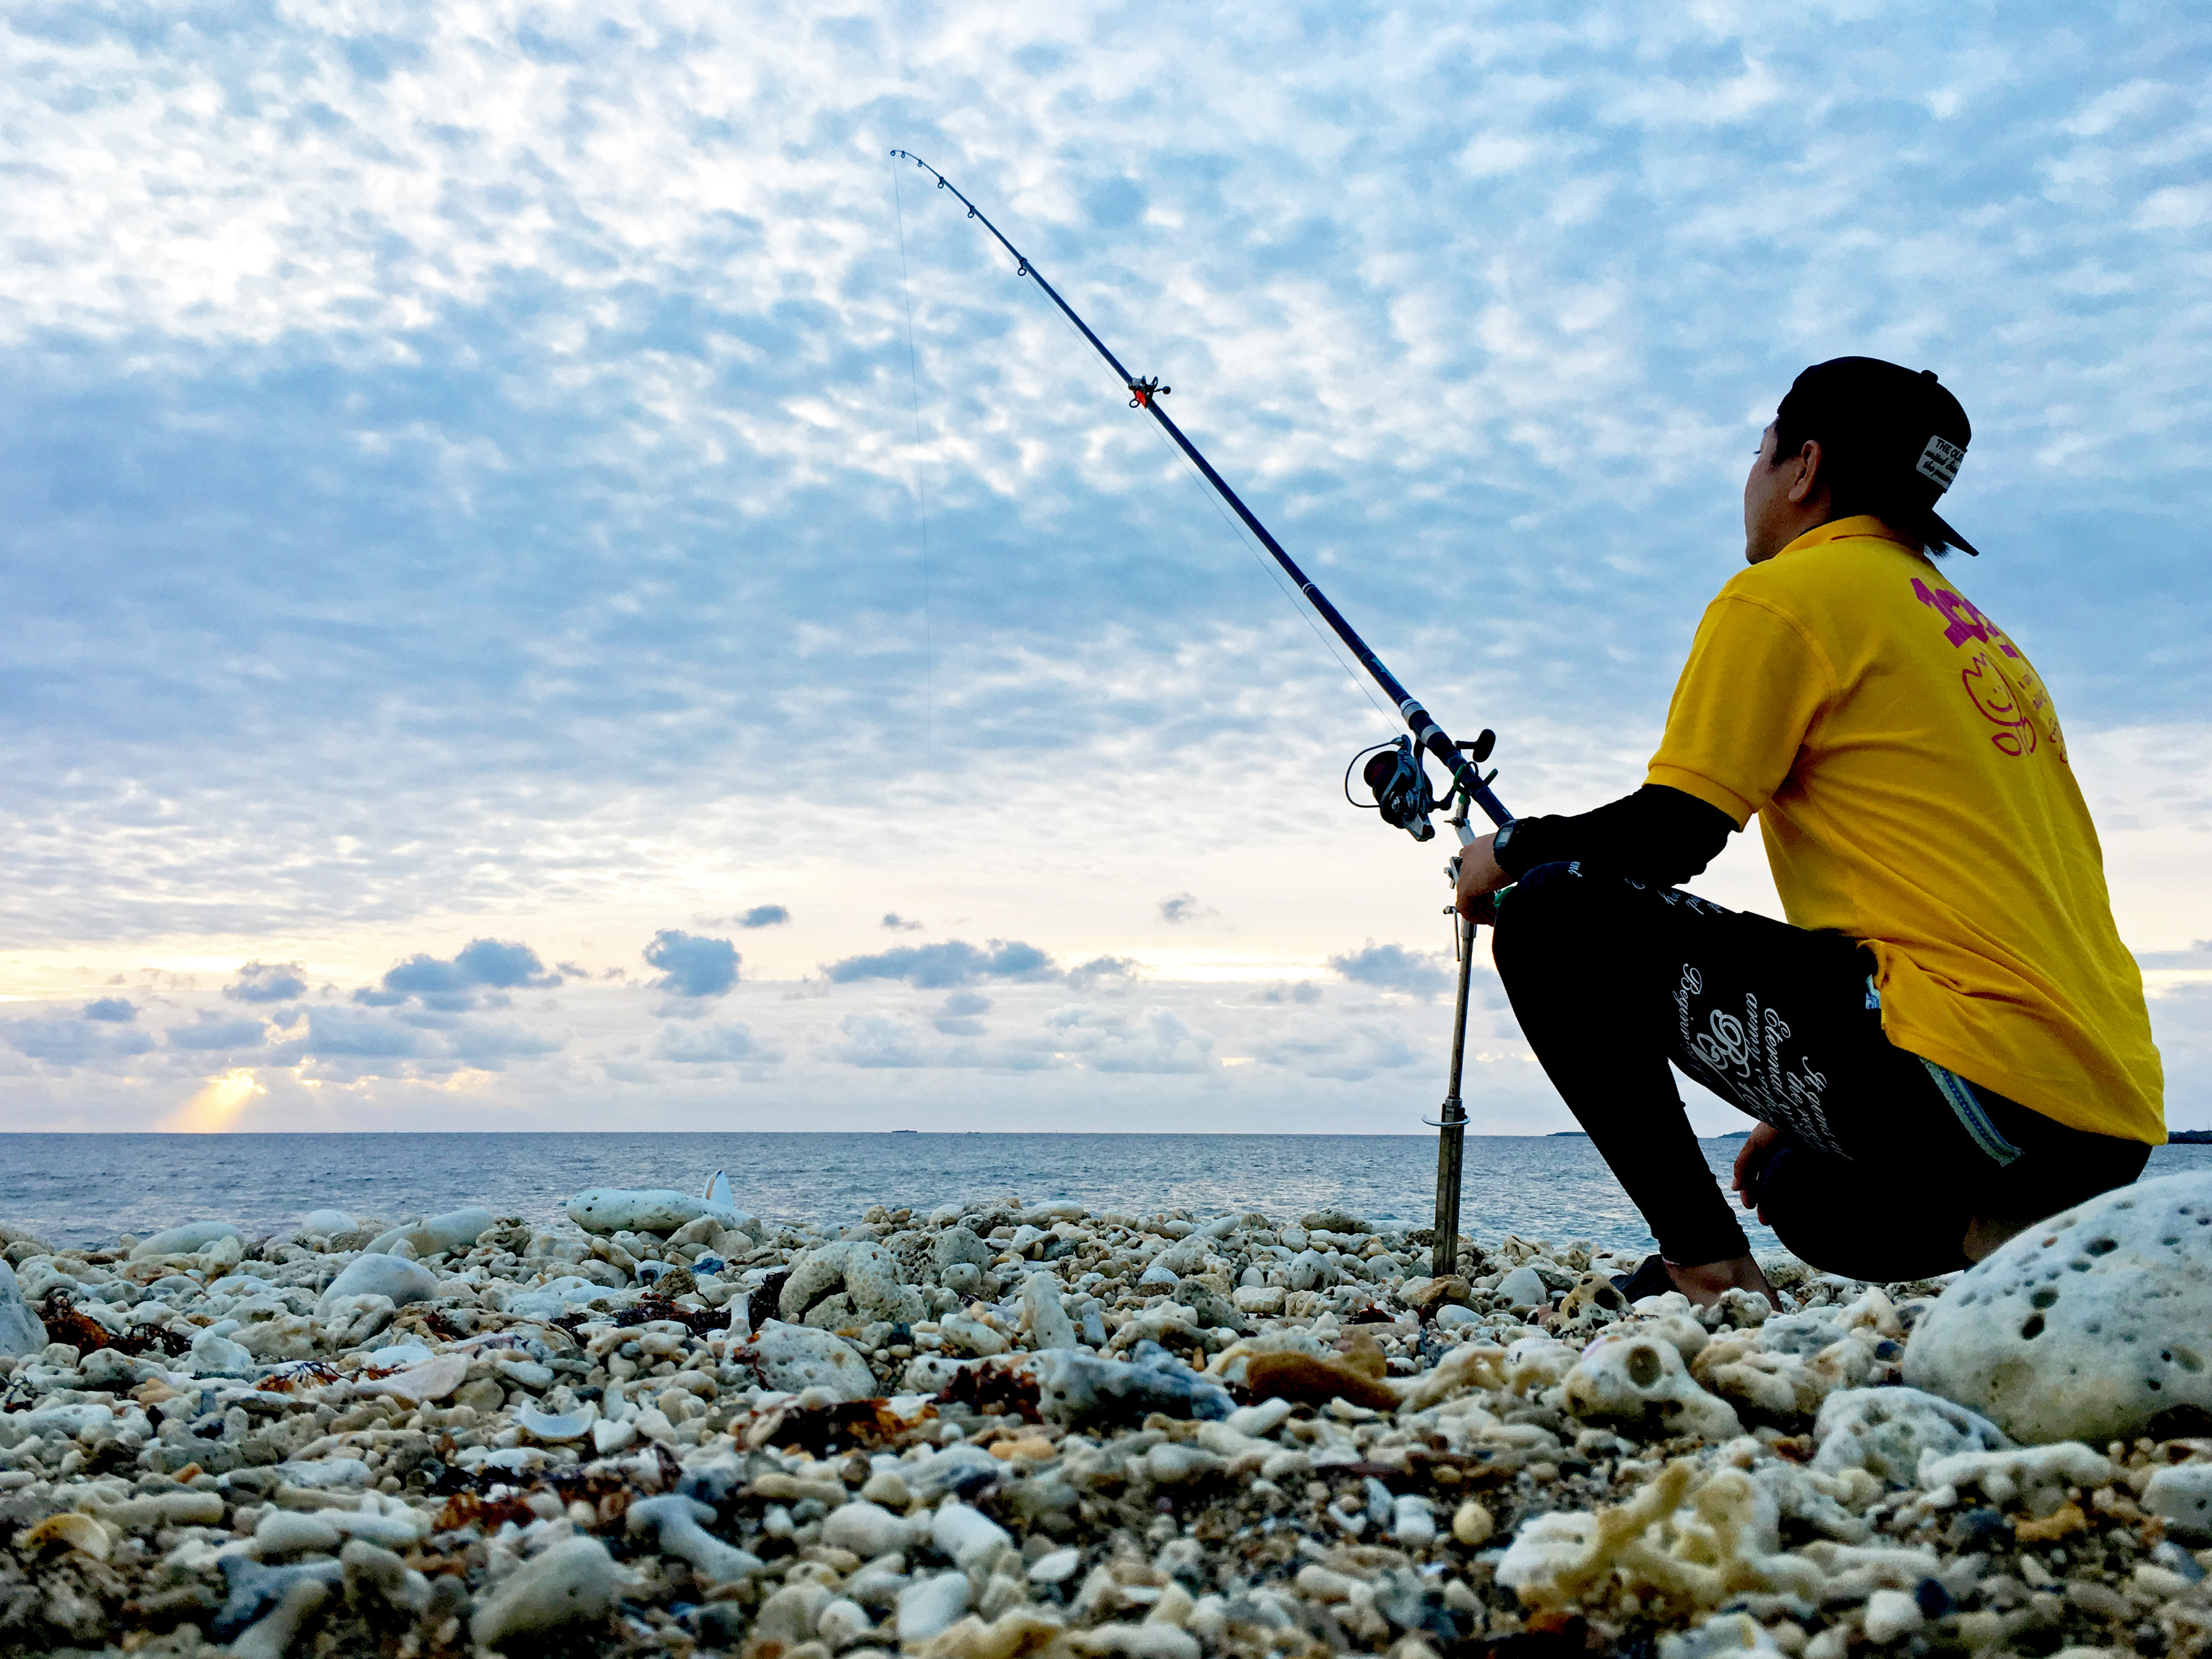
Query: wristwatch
1500,842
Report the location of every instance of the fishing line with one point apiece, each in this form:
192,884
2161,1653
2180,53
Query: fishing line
1402,790
921,502
1266,565
1243,539
1396,772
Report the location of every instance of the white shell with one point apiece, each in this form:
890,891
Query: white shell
552,1425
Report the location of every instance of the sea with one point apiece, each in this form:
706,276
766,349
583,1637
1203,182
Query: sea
88,1189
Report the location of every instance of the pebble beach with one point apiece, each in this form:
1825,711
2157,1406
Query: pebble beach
993,1430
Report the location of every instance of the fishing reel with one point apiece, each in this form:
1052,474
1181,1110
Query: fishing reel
1396,775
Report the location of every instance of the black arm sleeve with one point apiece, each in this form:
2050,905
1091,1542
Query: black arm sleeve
1657,834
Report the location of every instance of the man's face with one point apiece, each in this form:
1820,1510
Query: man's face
1772,502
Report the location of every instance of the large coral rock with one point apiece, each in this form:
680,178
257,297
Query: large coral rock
21,1332
402,1280
1639,1382
959,1244
1780,1372
2091,1326
574,1583
794,1358
648,1210
187,1239
456,1229
864,1273
1887,1431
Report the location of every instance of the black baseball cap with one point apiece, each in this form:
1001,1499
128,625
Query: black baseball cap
1891,439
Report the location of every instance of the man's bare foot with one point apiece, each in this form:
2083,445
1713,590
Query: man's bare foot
1706,1283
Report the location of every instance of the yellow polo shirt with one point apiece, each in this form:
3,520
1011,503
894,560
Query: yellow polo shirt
1910,781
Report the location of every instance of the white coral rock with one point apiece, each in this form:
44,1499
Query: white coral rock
2086,1327
1639,1382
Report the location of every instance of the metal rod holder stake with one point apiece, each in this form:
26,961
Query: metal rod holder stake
1451,1120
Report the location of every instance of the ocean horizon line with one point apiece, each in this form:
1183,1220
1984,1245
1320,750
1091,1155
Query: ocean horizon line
1035,1134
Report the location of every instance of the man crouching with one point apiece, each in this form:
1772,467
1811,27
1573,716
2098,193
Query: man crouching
1946,1041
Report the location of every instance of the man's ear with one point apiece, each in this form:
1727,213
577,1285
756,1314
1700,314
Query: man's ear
1808,484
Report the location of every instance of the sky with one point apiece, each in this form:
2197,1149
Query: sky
553,585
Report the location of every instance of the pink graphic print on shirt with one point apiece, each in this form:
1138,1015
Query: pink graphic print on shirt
2008,695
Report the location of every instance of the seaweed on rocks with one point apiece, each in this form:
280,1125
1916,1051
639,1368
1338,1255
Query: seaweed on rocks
65,1323
839,1426
995,1387
767,1298
656,1305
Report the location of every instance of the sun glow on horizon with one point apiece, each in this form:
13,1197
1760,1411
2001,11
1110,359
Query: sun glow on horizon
217,1106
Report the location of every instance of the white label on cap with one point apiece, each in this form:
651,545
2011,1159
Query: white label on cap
1940,461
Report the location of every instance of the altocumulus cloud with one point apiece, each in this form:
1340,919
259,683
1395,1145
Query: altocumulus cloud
880,1042
365,1041
1086,975
692,966
214,1031
345,1033
452,986
1185,907
115,1010
711,1045
954,963
1341,1055
1392,968
268,982
74,1041
765,915
961,1014
1155,1040
368,337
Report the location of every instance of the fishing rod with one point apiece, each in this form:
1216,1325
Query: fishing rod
1396,773
1403,793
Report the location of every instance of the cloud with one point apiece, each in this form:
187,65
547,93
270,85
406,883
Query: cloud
958,1015
507,967
211,1031
899,924
1342,1055
73,1041
1156,1040
369,1042
955,962
346,1034
2198,955
1086,975
268,982
1303,991
488,1047
115,1010
877,1043
409,453
1185,907
881,1043
764,915
452,986
692,966
1392,968
710,1045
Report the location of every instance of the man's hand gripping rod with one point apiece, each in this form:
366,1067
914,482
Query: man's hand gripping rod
1396,774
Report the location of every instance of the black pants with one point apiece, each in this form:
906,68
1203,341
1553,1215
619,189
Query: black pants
1883,1162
